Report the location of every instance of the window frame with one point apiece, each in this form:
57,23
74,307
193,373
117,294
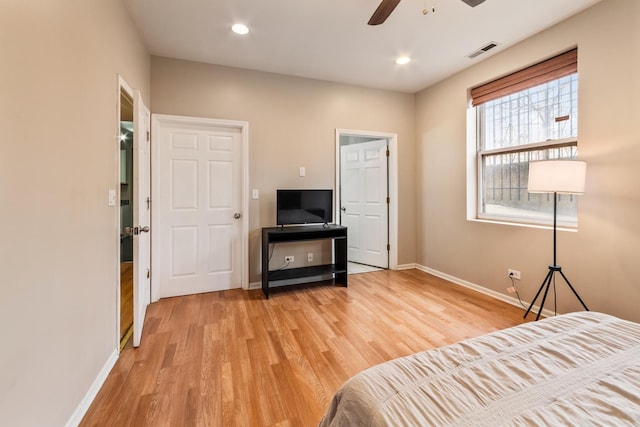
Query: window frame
475,139
520,220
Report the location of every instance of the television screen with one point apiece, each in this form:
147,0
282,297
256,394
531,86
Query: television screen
304,207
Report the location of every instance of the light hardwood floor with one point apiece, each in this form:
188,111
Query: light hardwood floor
233,358
126,297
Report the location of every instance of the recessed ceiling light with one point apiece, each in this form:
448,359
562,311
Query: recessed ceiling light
240,29
403,60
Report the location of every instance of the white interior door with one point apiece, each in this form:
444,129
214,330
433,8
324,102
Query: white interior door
200,206
141,216
363,198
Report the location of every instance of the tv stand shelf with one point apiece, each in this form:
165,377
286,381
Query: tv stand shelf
272,235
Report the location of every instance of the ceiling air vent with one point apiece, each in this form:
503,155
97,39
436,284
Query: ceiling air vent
482,50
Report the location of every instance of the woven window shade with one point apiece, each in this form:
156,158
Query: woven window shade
543,72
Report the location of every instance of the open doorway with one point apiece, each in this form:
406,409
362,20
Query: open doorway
134,232
366,198
126,217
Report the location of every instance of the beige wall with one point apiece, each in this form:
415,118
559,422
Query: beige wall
600,258
58,157
292,123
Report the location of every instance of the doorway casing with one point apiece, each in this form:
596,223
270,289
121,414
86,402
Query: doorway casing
125,94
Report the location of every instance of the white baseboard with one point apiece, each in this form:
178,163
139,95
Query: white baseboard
407,266
255,285
483,290
82,408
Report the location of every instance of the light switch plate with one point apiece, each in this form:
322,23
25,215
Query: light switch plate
302,171
112,197
255,194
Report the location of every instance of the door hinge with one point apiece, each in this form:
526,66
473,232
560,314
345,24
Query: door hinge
388,153
388,247
148,136
388,200
148,203
148,273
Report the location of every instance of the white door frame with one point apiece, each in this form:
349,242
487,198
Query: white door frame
158,120
122,87
393,185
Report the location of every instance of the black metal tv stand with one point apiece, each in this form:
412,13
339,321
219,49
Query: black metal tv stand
338,268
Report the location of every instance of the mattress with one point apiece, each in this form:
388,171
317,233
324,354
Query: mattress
574,369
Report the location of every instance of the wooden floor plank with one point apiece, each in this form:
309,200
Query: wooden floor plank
126,297
235,358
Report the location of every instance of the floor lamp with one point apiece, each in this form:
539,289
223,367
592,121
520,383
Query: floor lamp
557,177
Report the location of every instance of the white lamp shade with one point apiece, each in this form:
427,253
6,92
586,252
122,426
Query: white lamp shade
557,176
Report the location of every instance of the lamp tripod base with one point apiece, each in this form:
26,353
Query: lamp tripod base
546,283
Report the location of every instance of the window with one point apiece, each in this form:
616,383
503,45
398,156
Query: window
529,115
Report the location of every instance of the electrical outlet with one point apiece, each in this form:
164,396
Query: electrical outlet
289,258
514,274
310,257
511,289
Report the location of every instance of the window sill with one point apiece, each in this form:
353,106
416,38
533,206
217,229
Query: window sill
523,224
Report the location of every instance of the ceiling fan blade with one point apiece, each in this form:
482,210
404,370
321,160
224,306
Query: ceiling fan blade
473,3
383,11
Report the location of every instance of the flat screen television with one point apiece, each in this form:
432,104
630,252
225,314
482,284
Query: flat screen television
304,207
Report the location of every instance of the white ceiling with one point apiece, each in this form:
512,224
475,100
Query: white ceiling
330,39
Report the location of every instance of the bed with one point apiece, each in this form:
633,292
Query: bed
575,369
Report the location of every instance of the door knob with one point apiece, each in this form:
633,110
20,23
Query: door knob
136,230
237,215
343,209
